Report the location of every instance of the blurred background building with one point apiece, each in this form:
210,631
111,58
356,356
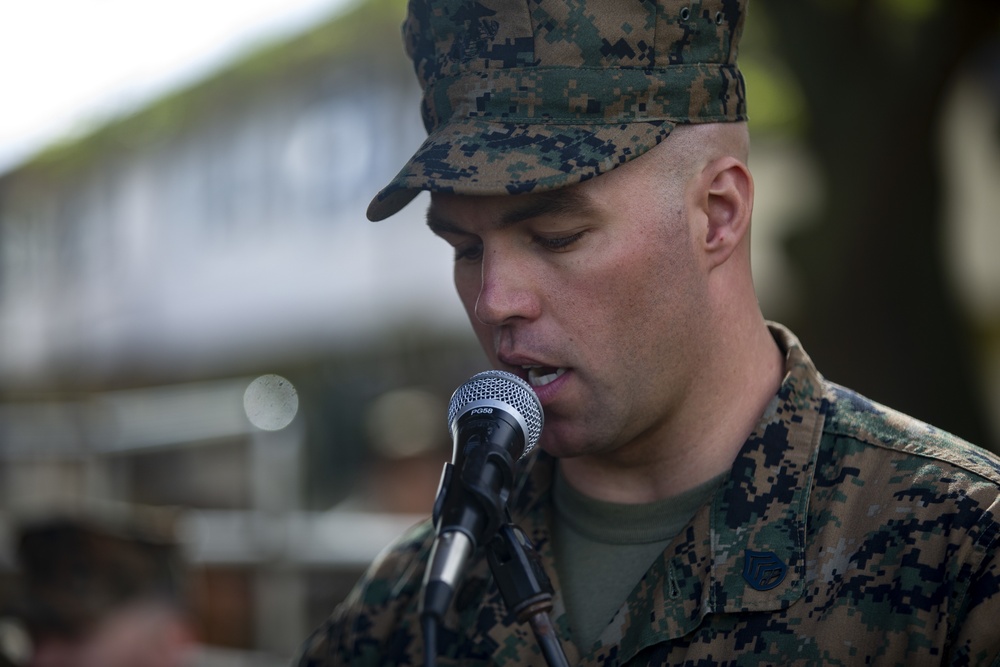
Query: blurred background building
195,314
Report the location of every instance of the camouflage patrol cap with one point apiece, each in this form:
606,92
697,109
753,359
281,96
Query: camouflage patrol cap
539,94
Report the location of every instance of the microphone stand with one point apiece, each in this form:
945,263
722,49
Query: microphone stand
525,587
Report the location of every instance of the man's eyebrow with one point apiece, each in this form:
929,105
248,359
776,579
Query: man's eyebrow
568,202
440,225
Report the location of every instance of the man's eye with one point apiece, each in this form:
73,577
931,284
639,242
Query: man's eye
468,253
560,243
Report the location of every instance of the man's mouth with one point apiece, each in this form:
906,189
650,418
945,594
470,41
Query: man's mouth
539,376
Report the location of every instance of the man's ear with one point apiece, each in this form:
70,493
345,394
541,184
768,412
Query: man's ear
728,203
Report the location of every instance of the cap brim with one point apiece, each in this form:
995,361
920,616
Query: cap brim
476,157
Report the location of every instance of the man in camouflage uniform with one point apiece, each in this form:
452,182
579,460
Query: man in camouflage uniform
704,496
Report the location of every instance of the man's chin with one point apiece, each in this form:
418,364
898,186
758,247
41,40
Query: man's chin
560,448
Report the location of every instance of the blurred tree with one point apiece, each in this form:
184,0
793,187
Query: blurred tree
878,314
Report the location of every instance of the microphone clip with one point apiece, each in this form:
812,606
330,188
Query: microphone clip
525,587
474,491
517,569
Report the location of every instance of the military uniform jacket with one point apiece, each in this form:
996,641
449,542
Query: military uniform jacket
845,534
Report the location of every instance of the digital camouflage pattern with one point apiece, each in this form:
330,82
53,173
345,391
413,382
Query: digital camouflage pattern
846,534
531,96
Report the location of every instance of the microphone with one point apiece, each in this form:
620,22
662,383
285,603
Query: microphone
495,418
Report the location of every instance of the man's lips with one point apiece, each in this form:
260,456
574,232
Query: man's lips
536,373
546,381
539,376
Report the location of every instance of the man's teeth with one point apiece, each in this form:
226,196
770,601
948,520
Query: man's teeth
539,378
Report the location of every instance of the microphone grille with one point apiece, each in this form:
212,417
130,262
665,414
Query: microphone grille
505,388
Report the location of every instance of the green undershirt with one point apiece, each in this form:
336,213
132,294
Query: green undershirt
602,549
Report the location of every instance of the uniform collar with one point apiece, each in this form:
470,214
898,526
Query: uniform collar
758,520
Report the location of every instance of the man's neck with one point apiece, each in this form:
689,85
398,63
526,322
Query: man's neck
705,435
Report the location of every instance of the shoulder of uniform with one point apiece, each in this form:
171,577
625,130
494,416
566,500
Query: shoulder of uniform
399,565
372,611
392,579
868,423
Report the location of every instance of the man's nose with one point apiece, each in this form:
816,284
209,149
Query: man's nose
509,290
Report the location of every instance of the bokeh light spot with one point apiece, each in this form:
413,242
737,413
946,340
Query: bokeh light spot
271,402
